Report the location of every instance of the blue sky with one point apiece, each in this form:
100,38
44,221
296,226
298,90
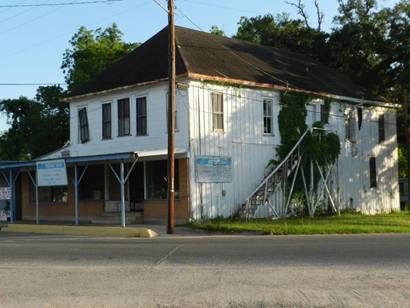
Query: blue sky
33,39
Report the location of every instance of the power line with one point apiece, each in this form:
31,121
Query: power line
33,84
161,6
57,3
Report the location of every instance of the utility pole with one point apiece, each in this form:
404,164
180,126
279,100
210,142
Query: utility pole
171,117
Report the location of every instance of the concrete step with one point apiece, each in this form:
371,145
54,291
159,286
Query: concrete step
129,219
118,214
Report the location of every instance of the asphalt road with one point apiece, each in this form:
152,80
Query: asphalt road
225,271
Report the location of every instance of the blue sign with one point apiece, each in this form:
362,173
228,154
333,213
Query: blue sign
51,173
213,169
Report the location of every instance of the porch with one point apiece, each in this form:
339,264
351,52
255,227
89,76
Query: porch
116,189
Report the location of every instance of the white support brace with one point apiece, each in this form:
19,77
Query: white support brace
36,186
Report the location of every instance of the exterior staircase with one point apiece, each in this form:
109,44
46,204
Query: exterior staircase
272,191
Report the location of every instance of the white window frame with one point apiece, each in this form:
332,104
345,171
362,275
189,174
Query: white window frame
137,117
270,101
215,114
79,125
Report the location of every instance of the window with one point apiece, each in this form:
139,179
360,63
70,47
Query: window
359,117
157,172
176,113
267,116
373,172
83,125
351,127
106,121
124,117
57,194
92,183
324,112
141,116
382,136
217,111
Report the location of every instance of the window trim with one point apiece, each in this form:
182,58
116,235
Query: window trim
373,172
381,128
137,117
119,133
103,121
268,99
83,126
216,113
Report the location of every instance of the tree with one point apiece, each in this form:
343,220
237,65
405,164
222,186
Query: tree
283,32
92,51
217,31
41,125
37,126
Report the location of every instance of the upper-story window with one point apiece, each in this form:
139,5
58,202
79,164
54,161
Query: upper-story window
142,116
351,127
83,125
324,112
382,136
106,121
217,111
268,116
373,172
124,117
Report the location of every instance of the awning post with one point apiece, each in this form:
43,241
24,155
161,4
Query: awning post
75,182
11,184
34,181
122,183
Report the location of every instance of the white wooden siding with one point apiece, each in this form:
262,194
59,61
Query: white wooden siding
156,123
251,150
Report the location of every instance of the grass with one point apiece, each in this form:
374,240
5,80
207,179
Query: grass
347,223
80,230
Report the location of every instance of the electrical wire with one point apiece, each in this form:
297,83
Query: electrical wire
58,3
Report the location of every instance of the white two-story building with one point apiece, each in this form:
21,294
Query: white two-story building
226,133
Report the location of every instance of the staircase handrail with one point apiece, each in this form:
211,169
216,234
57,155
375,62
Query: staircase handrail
280,165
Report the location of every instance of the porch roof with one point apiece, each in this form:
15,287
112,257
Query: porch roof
114,157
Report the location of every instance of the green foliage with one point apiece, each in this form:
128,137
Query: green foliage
318,145
37,126
403,163
292,120
217,31
91,52
281,31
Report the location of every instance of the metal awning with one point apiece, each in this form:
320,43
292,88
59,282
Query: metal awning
95,159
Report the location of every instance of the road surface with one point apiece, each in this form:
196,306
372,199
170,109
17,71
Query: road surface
221,271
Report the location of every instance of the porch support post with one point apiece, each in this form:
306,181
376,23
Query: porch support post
11,184
34,181
122,183
76,194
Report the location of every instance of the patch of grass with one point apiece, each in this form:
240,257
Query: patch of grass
347,223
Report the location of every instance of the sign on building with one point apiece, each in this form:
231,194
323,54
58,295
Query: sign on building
51,173
5,193
213,169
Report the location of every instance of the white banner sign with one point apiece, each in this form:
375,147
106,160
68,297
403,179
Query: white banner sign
5,193
51,173
213,169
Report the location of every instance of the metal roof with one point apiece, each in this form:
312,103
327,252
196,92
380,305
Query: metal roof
115,157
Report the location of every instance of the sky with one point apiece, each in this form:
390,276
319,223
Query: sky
33,39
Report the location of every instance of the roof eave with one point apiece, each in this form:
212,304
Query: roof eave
270,86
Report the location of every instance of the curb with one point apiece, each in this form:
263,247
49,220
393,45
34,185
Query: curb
82,230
